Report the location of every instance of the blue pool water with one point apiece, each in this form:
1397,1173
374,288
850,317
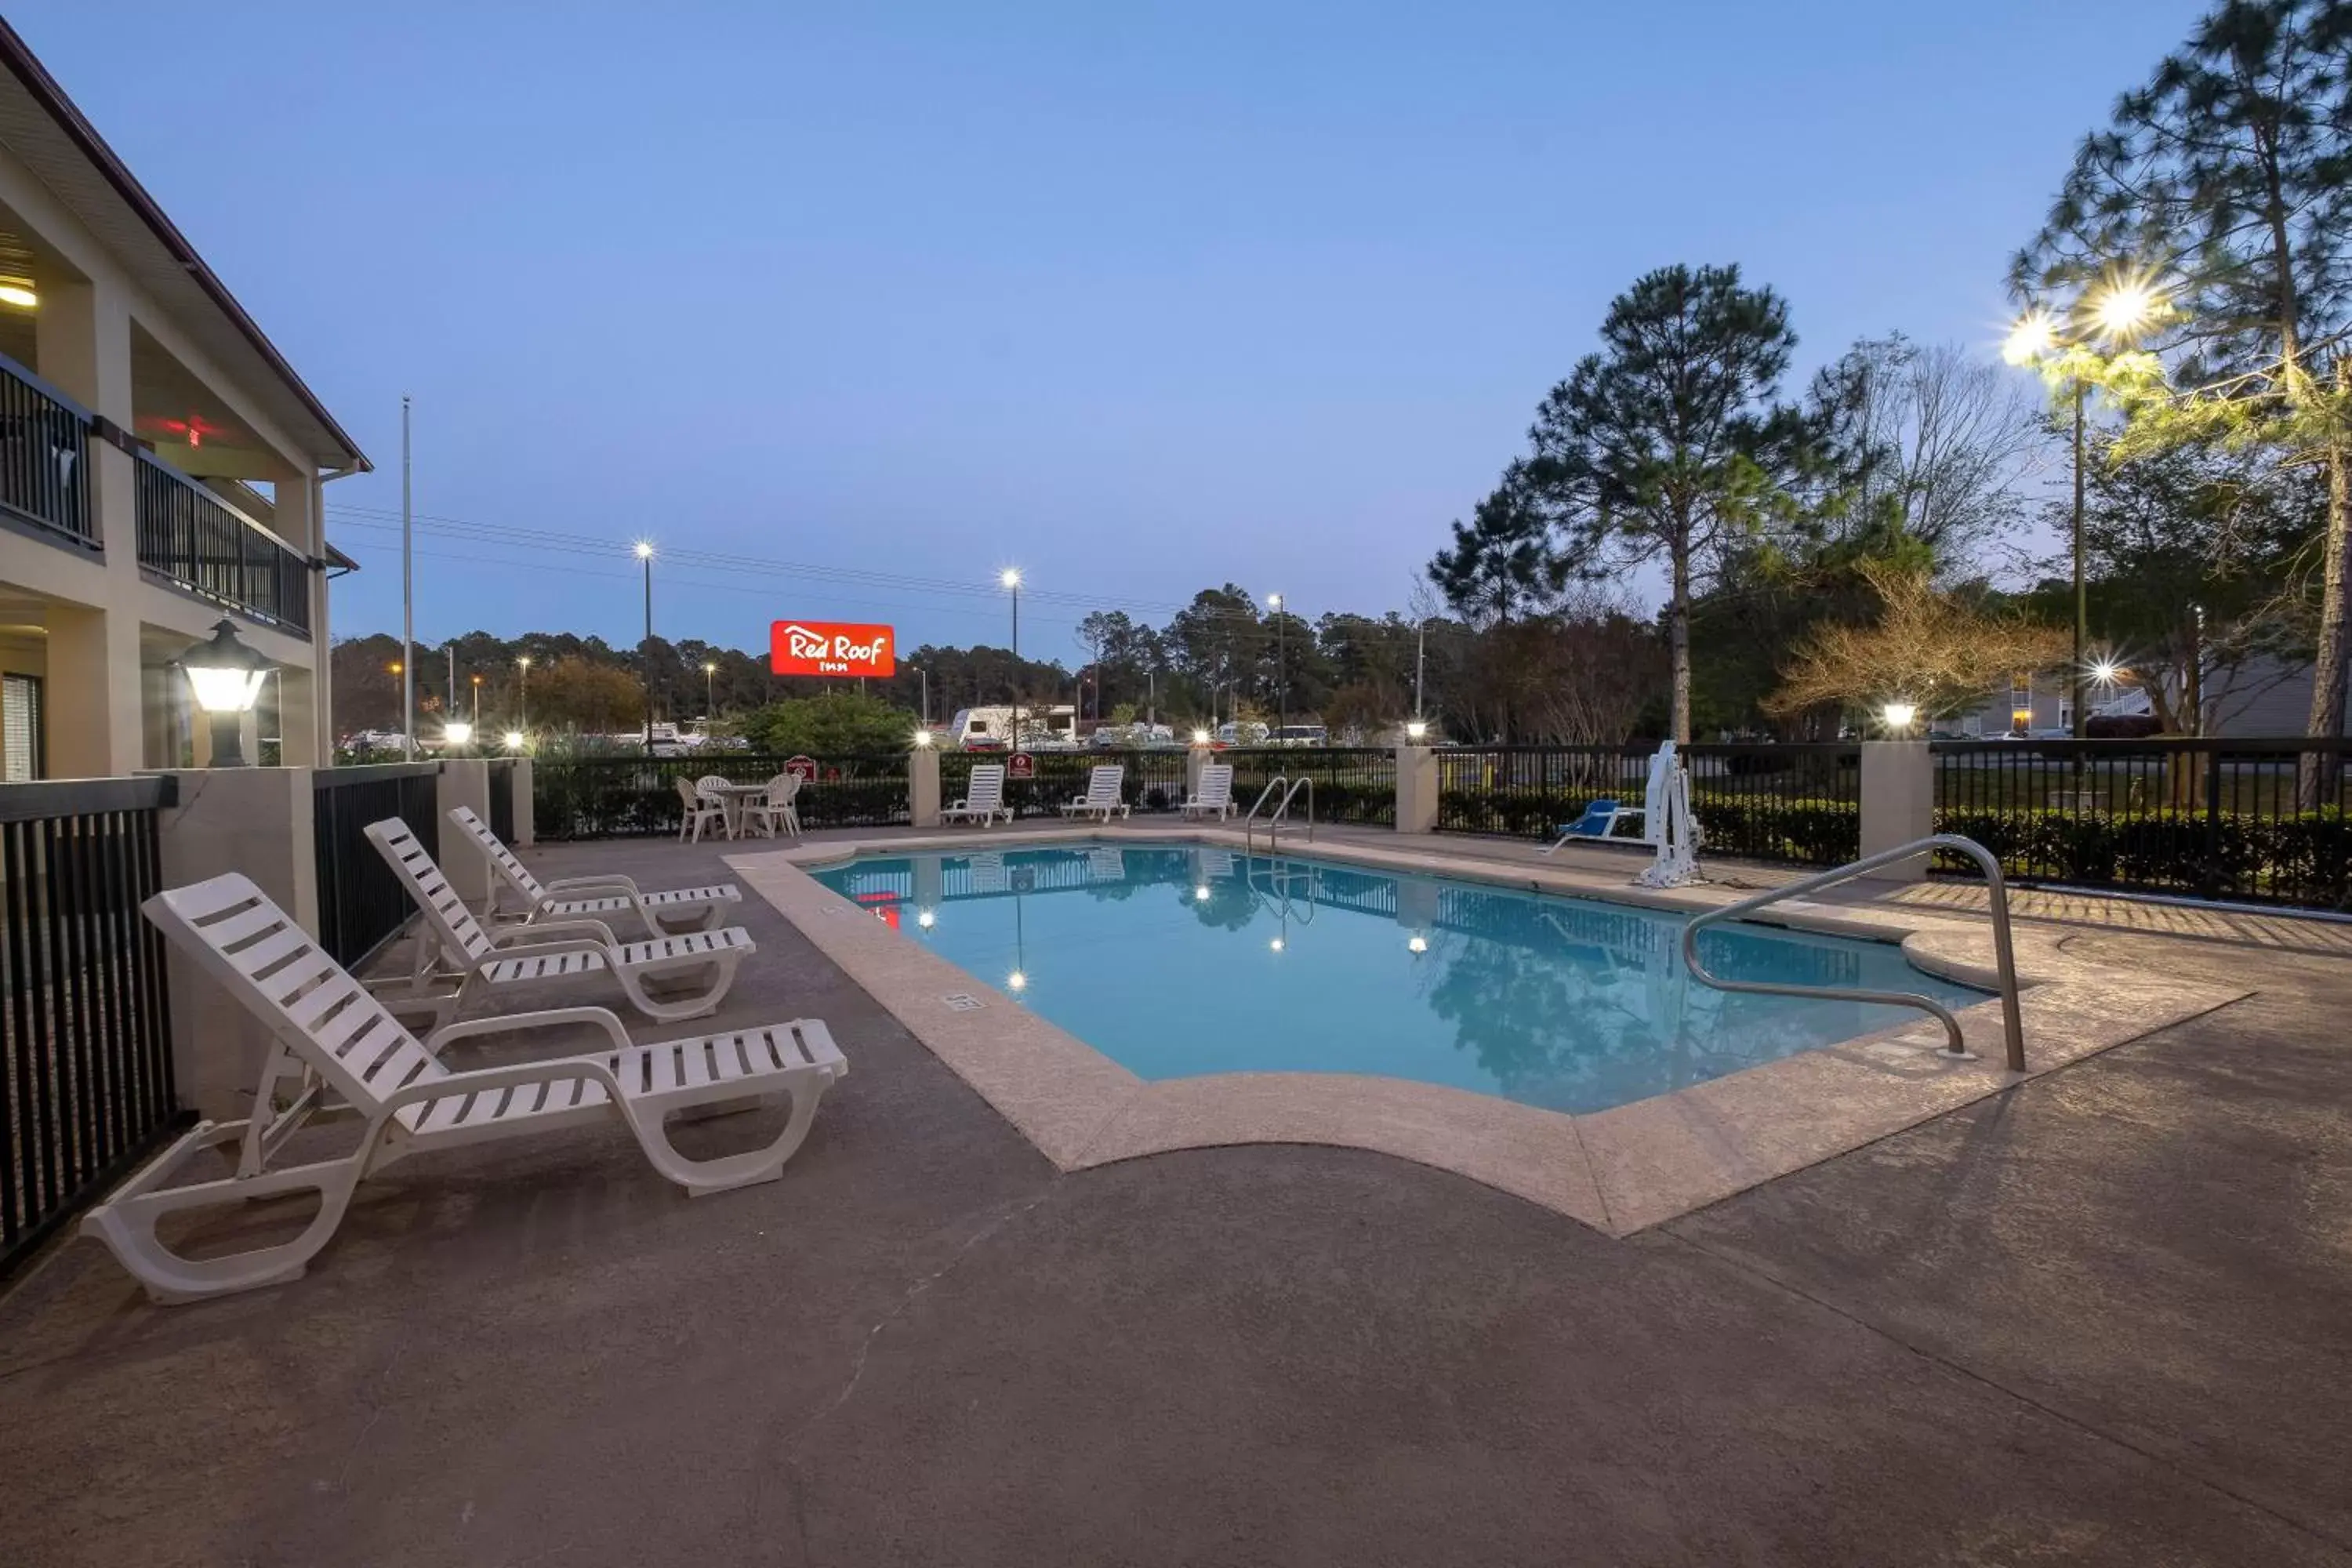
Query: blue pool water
1176,961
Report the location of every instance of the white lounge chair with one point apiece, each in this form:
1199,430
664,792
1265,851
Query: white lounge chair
1101,798
700,810
775,809
342,1041
565,950
594,897
983,797
1216,792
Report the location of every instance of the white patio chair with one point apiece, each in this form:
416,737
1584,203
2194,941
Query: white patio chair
553,951
1216,792
700,809
983,798
1101,798
775,809
354,1058
593,898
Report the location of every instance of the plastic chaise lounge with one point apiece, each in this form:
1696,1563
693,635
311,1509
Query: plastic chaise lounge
1600,817
594,897
1216,792
552,951
1102,796
353,1058
983,799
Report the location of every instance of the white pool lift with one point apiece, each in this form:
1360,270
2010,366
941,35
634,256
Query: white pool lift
1668,826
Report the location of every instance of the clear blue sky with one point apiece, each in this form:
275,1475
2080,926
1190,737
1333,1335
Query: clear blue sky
1257,291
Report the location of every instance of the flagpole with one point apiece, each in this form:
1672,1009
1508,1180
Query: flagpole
407,601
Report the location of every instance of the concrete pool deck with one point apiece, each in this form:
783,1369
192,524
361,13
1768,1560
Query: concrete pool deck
2098,1319
1620,1170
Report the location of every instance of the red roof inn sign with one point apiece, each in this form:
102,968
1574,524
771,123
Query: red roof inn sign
829,648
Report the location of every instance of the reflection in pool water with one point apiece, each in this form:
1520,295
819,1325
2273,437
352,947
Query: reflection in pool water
1176,961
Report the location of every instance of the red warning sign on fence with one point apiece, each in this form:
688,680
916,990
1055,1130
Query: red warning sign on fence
1021,765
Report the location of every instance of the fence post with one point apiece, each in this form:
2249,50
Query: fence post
254,820
1898,804
464,781
923,787
1416,789
526,822
1195,759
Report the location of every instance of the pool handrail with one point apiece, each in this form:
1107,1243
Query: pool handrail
2012,1024
1281,812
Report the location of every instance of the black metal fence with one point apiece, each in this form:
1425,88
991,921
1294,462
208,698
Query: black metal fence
2266,821
85,1027
361,904
1352,783
189,536
502,770
45,457
635,797
1796,805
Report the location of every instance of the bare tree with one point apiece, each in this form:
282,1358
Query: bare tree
1599,665
1930,440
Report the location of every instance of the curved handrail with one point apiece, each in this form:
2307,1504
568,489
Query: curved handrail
2013,1026
1281,812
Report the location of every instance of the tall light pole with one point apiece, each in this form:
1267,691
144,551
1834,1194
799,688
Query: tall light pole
1420,667
645,548
2117,312
477,705
925,676
522,719
709,703
407,603
1010,578
1281,669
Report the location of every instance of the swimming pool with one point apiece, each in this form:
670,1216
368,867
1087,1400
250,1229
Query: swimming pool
1177,961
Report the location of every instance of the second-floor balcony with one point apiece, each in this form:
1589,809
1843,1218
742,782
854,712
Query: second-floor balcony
45,459
192,539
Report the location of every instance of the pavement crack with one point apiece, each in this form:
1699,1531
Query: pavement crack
1960,1369
907,1299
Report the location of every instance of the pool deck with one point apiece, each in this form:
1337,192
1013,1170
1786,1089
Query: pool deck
2097,1318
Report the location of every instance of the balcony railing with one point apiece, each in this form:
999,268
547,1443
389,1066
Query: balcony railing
191,538
45,458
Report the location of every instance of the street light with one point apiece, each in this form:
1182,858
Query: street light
524,717
1900,715
645,549
514,740
1416,732
709,704
1281,669
456,733
2117,311
225,678
477,703
1011,579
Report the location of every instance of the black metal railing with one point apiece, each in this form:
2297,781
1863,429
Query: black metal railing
502,782
1153,780
190,538
626,797
1352,783
1795,805
45,457
85,1027
2259,821
362,904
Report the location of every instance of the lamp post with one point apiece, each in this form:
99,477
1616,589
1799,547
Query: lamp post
226,677
2116,311
478,702
645,548
1010,578
709,703
1281,669
1420,725
522,715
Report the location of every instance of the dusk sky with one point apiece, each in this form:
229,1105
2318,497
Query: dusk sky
1141,304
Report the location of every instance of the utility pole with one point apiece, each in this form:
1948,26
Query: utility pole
2082,600
1420,664
407,601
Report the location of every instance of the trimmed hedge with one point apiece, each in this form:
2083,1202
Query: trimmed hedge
1751,828
2306,858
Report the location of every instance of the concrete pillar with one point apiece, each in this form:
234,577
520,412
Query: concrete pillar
305,725
923,787
526,813
82,338
465,781
1898,804
257,821
930,884
1416,787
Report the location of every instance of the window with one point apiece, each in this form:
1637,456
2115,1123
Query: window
21,752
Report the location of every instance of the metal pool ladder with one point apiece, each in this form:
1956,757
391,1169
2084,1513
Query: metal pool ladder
2013,1027
1281,813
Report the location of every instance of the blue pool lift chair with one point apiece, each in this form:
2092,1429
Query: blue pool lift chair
1600,817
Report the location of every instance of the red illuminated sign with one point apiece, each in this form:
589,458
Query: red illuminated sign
830,647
